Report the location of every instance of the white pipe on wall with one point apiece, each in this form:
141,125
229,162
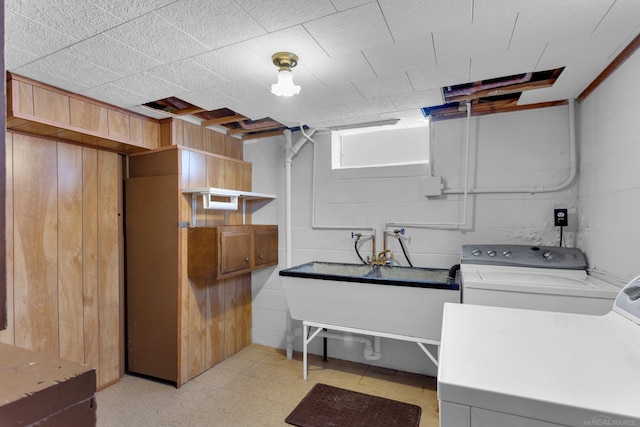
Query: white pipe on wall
290,151
573,164
465,192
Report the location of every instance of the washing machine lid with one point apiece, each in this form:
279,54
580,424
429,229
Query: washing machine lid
538,281
557,367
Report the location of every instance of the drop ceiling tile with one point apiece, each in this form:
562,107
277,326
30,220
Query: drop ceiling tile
573,80
75,18
113,55
424,98
414,18
232,63
505,63
558,20
330,95
349,121
384,86
215,24
52,79
339,69
472,40
623,13
115,95
372,106
405,55
207,98
295,40
348,4
63,65
499,10
287,118
595,47
278,14
317,115
150,86
29,36
245,90
154,36
188,74
441,75
14,58
411,115
350,30
130,9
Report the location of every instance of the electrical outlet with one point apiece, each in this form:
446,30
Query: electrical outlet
560,217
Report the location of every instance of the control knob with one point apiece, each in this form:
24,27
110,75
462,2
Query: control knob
548,255
507,254
491,253
476,252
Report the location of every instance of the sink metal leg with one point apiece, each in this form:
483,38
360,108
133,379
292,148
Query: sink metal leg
306,339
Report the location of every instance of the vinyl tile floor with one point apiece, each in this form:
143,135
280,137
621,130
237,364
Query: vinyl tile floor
258,386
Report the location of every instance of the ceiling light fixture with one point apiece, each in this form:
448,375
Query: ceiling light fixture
285,61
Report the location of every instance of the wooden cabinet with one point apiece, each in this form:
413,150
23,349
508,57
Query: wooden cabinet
265,245
235,250
221,252
178,325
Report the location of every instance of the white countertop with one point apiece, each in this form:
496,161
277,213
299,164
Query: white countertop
558,367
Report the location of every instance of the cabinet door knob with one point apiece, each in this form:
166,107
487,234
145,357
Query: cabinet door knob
247,259
261,257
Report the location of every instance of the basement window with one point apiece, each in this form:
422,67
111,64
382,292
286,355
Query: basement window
375,147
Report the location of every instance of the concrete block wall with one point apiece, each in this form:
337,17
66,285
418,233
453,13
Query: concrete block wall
609,184
515,150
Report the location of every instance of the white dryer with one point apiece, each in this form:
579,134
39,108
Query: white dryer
505,367
532,277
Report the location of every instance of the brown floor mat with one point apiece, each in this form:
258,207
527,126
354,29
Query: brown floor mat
327,406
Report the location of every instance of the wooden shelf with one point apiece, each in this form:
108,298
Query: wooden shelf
223,192
231,205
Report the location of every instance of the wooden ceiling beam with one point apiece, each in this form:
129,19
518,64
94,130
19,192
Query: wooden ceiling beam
239,131
504,90
262,134
223,120
477,110
188,110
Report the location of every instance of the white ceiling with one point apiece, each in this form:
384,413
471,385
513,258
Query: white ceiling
360,60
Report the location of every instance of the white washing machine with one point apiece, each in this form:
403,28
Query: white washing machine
505,367
532,277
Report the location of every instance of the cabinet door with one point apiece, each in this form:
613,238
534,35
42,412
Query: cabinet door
235,249
266,245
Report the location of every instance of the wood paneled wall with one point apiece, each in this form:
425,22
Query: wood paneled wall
63,267
3,289
217,315
186,134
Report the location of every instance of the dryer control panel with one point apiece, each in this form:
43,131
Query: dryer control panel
628,301
525,256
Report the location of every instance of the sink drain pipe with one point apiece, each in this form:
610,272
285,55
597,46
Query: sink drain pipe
371,348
